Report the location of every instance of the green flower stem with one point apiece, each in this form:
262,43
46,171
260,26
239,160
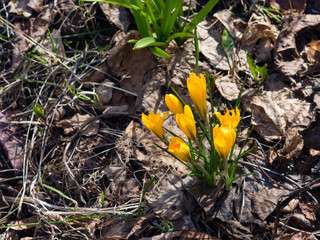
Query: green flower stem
226,174
165,141
204,171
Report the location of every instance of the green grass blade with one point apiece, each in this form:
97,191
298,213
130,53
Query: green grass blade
201,14
159,52
169,17
179,35
228,45
252,67
141,19
237,104
153,19
75,94
144,193
262,72
52,43
38,110
147,42
61,194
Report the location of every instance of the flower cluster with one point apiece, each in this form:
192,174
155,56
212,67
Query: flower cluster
218,129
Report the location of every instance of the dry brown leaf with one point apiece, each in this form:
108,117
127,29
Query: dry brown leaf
236,204
290,206
205,195
300,221
11,143
292,149
304,236
119,16
210,45
308,212
140,226
181,64
182,235
291,52
138,142
71,17
311,135
122,57
258,34
296,236
73,124
275,112
20,7
234,25
105,91
116,229
167,199
227,87
293,144
57,48
34,28
287,7
316,100
265,201
150,96
259,27
123,186
36,5
313,52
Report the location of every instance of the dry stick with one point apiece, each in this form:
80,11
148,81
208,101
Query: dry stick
277,220
299,230
88,121
63,210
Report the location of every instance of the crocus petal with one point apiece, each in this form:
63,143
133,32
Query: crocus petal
197,88
173,104
178,148
186,123
224,138
231,118
154,122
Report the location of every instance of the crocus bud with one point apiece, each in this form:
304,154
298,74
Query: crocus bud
181,150
198,92
173,104
186,123
224,137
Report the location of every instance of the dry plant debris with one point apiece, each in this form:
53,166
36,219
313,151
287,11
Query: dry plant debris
88,169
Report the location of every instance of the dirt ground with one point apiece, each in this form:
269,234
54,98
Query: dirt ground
89,169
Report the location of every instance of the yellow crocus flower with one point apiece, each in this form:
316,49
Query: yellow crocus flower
181,150
231,118
173,104
224,137
154,123
198,92
186,123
